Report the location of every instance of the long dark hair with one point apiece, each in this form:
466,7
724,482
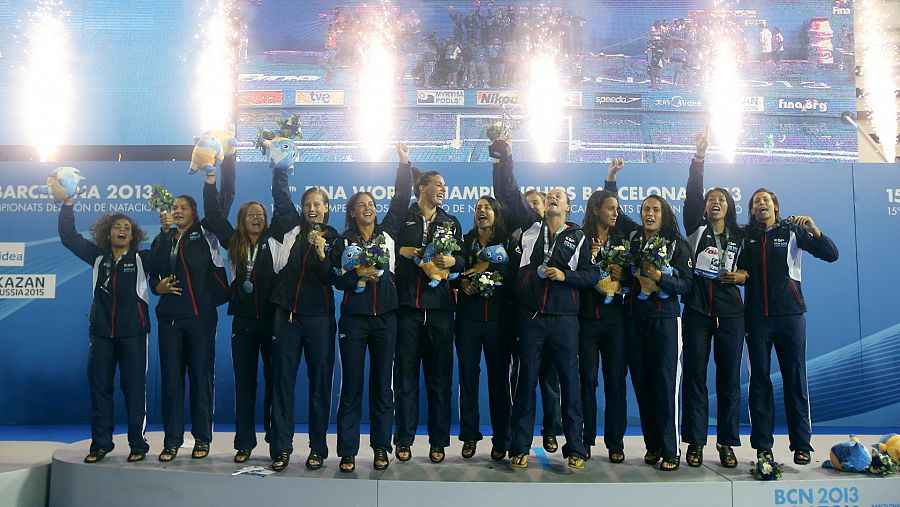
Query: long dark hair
349,221
192,203
499,224
421,179
240,240
669,226
752,223
591,215
103,225
730,215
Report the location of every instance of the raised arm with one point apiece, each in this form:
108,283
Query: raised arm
811,239
517,213
285,216
693,199
69,237
393,221
214,219
624,223
226,195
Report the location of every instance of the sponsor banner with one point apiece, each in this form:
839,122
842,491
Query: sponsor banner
276,78
754,104
260,97
572,99
618,100
27,286
319,98
12,254
440,97
498,98
666,102
789,105
399,98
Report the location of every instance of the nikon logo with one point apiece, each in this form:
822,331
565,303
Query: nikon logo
498,99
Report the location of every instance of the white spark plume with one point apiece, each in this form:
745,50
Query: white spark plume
48,86
375,117
725,90
544,101
879,82
216,64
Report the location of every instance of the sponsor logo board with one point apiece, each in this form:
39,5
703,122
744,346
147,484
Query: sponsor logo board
803,105
498,98
260,97
27,286
276,78
12,254
754,104
440,97
615,100
319,98
572,99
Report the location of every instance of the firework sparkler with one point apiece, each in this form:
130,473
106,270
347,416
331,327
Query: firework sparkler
216,64
878,58
544,104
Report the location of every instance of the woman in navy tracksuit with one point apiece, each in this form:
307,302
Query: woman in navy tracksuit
774,314
479,325
713,310
191,283
654,328
304,319
424,321
368,321
601,334
119,324
251,261
555,265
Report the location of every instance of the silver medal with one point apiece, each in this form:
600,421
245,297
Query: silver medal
542,271
248,286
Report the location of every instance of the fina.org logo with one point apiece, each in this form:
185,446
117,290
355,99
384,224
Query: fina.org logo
12,254
803,105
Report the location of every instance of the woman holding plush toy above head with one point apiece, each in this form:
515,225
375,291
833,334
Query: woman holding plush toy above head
427,250
601,324
555,265
252,254
713,311
304,318
119,324
661,273
491,258
368,319
774,314
191,283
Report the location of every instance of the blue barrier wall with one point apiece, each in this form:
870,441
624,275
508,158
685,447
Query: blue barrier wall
852,317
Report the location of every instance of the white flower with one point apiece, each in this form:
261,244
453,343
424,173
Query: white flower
662,250
484,279
620,248
767,468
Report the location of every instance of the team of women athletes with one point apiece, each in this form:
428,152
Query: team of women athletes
603,298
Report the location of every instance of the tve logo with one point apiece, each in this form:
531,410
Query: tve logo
12,254
319,98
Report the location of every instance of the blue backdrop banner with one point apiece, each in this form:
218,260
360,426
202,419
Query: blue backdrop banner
853,322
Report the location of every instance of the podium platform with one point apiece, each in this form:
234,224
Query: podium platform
455,482
25,472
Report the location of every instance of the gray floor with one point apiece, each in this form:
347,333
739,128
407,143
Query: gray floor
456,482
25,472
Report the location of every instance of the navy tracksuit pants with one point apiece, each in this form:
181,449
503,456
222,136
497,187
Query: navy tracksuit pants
787,333
250,339
548,381
424,337
698,333
603,340
188,345
556,335
378,334
471,337
314,335
130,354
657,341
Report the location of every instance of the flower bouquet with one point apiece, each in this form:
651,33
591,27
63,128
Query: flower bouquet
766,469
442,243
882,463
621,255
657,253
375,253
486,282
161,200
